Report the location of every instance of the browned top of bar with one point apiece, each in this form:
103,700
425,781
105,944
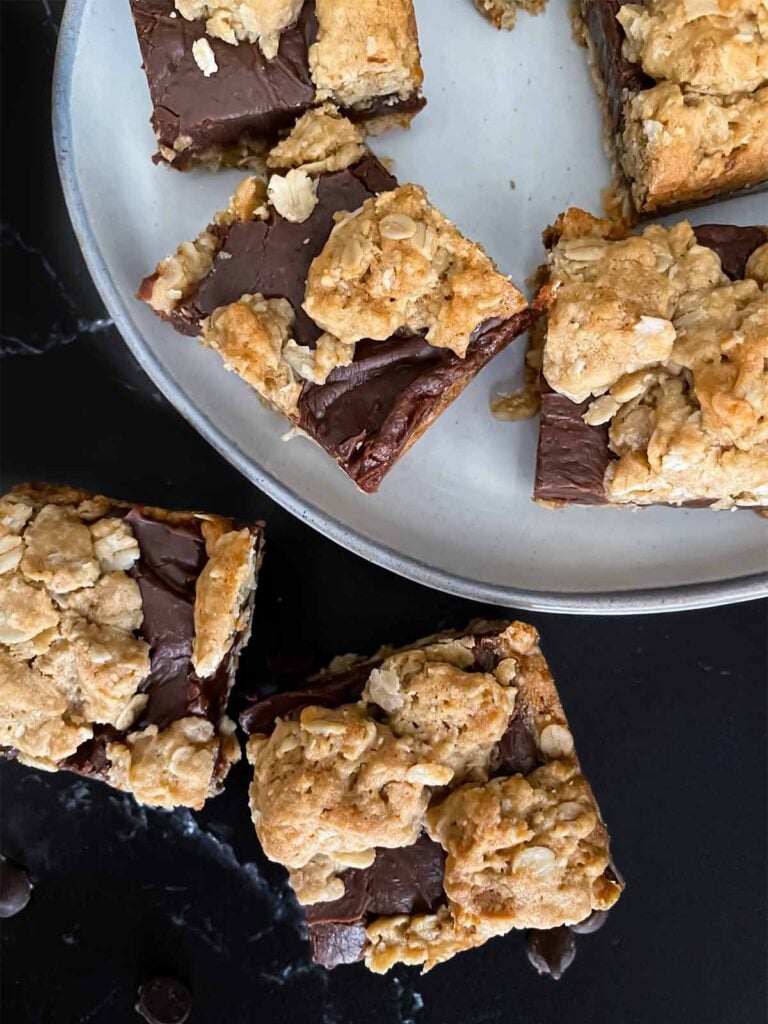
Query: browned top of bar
572,455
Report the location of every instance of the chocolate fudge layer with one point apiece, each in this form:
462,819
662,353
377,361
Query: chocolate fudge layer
684,89
441,801
225,80
348,302
120,631
654,381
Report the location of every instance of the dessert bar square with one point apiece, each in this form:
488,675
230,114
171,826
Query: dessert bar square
655,387
428,799
684,88
120,631
226,77
349,303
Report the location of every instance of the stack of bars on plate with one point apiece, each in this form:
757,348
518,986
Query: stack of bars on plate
357,310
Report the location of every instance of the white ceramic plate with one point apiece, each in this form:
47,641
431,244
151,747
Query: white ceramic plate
510,138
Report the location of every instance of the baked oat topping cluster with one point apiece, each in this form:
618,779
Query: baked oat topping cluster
322,141
251,21
74,664
674,355
417,753
397,264
702,128
503,13
365,49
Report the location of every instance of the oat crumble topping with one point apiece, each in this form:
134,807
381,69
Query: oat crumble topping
321,141
70,657
206,61
415,753
398,264
702,128
674,354
250,21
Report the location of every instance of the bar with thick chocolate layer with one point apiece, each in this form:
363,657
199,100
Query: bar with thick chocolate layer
121,627
226,78
349,303
428,799
685,98
654,383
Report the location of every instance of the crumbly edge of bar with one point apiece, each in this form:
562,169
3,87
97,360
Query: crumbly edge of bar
503,13
673,361
672,165
678,153
80,664
247,153
704,47
365,50
408,748
525,402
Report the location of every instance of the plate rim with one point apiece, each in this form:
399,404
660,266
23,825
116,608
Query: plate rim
682,597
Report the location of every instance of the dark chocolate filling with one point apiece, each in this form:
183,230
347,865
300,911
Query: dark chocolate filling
402,881
366,414
248,95
572,456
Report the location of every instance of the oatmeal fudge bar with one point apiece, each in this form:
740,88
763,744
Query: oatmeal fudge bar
655,386
684,88
225,76
503,13
428,799
349,303
120,631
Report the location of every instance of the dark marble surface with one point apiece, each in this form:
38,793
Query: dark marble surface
669,714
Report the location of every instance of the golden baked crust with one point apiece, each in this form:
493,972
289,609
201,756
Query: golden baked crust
674,354
702,128
417,752
72,662
365,49
679,148
397,264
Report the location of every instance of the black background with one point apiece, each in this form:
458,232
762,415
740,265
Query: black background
669,715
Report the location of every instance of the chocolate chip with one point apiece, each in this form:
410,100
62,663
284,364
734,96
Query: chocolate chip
591,924
516,751
15,888
164,1001
552,951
